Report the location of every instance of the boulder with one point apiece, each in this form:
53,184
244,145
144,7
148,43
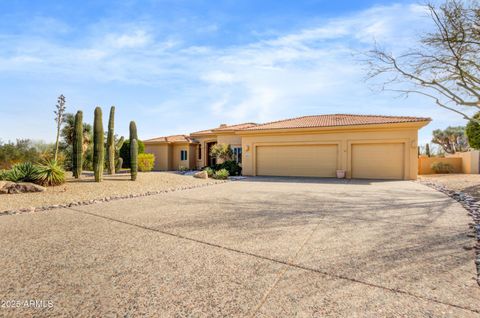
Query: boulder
20,187
201,175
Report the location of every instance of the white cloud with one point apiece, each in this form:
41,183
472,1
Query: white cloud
312,70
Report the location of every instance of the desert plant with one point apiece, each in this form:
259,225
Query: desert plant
182,169
22,172
77,153
50,174
3,174
231,166
221,174
22,150
209,171
146,161
59,120
111,142
221,151
427,150
125,151
133,131
473,132
98,145
118,164
133,159
441,167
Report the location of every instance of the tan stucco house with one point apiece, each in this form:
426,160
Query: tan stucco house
376,147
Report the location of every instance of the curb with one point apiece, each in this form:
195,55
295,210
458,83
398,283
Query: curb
105,199
472,206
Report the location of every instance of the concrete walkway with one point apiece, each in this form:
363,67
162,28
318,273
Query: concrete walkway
255,248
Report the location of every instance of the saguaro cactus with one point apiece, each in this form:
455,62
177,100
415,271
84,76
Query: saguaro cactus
111,142
77,162
133,131
98,145
133,159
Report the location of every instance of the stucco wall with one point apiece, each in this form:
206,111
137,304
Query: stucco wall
470,161
344,138
162,153
177,163
425,164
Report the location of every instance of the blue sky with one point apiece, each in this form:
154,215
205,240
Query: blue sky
180,66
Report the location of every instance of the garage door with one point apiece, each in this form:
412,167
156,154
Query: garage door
378,161
297,160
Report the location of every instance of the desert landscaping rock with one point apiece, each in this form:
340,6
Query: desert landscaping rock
201,175
7,187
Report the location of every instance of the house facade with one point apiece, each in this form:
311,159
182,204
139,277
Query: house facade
372,147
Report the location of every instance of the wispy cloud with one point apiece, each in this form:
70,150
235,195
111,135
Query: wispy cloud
310,70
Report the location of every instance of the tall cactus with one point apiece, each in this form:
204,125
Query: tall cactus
133,131
111,142
98,145
133,159
119,160
77,145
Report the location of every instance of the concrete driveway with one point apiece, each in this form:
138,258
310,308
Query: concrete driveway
256,248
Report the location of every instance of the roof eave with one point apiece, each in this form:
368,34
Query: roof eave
416,124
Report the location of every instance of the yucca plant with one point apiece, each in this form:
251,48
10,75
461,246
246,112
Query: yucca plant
50,173
3,174
22,172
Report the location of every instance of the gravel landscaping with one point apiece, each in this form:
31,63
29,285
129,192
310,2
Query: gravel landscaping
85,191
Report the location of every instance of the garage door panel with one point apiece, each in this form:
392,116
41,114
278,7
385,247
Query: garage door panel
297,160
378,161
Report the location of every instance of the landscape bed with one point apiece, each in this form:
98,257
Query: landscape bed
77,191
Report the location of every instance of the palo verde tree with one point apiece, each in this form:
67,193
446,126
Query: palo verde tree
98,145
59,120
77,149
111,142
443,66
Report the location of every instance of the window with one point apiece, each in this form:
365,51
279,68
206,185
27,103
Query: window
183,155
199,152
237,154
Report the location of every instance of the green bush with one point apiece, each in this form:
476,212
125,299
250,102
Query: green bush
3,175
221,174
146,161
473,132
440,167
50,174
125,151
231,166
209,171
22,172
182,169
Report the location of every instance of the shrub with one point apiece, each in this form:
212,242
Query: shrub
473,132
221,151
440,167
231,166
22,172
3,174
209,171
125,151
182,169
221,174
50,174
146,161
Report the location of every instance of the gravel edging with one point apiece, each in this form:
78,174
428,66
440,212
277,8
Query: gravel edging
472,206
106,199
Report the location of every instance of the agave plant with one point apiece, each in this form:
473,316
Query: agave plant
50,174
3,174
22,172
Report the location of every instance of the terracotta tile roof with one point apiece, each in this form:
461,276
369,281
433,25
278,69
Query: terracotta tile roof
225,128
335,120
173,138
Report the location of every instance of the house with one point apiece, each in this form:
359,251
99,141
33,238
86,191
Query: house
365,146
